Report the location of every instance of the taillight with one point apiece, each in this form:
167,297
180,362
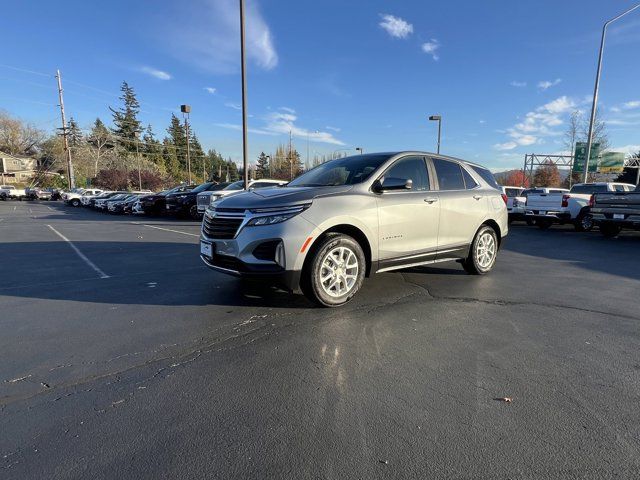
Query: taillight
592,200
505,198
565,200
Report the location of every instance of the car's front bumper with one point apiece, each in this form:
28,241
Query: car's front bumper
237,256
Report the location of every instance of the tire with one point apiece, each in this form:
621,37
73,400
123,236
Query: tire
544,224
75,202
483,252
610,230
193,212
336,257
584,222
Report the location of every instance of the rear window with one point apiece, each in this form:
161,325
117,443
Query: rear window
512,192
487,176
589,189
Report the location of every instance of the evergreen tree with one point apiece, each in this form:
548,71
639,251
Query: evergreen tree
171,161
125,119
262,166
100,141
217,166
75,134
152,148
178,139
198,160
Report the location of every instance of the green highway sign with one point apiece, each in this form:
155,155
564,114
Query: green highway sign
580,157
612,162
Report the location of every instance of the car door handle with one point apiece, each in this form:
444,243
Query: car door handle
477,197
430,200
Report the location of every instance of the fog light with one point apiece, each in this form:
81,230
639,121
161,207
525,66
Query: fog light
280,260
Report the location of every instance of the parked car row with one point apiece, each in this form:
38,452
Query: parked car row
611,206
183,200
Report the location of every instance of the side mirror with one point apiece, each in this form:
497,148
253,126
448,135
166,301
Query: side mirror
390,184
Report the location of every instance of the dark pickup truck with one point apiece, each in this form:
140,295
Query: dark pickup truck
615,211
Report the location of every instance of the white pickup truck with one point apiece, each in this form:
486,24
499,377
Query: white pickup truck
74,198
573,207
10,191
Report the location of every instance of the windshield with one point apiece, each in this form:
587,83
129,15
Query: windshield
202,187
235,186
589,189
342,171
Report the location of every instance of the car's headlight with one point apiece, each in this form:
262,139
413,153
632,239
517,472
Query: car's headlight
279,215
214,198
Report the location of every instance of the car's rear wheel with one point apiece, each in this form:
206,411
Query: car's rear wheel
75,202
609,230
584,222
335,271
483,252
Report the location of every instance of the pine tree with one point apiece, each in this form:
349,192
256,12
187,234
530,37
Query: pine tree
76,138
125,119
178,139
171,161
152,148
262,166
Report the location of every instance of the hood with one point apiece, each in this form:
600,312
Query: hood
279,196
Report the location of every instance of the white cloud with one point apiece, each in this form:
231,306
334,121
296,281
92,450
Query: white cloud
159,74
207,35
546,84
211,90
628,149
515,83
287,109
505,146
482,122
396,26
235,106
284,122
538,124
631,105
432,48
233,126
333,129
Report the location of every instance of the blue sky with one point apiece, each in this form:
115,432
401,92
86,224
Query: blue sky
504,75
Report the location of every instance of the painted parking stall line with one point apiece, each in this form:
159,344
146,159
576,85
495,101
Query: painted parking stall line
100,273
167,229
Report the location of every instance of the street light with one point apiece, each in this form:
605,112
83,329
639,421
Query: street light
437,118
597,87
186,110
360,150
245,154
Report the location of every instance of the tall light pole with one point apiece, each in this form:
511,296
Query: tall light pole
437,118
186,110
245,154
594,105
138,157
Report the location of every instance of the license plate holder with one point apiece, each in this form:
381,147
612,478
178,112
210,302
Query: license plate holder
618,216
206,249
543,212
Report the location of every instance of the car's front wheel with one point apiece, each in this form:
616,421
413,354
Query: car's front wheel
75,202
584,222
335,271
483,252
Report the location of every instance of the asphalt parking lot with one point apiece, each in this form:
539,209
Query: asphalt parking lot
122,356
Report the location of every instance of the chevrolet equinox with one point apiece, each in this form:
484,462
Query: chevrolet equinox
350,217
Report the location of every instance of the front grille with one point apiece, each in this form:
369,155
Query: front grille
266,250
203,200
221,227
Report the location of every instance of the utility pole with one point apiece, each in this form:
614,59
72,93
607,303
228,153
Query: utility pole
65,140
138,155
596,89
186,109
245,146
290,155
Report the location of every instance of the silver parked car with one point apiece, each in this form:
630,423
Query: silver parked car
347,218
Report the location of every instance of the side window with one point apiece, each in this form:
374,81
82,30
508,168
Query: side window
410,168
449,175
618,188
468,180
263,185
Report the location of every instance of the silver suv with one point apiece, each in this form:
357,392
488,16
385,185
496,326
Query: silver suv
347,218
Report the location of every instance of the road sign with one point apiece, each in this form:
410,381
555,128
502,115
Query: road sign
612,162
580,157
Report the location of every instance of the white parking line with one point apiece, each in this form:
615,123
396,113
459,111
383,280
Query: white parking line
14,208
100,273
167,229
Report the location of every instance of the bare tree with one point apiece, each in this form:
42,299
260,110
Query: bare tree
17,137
599,132
573,131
